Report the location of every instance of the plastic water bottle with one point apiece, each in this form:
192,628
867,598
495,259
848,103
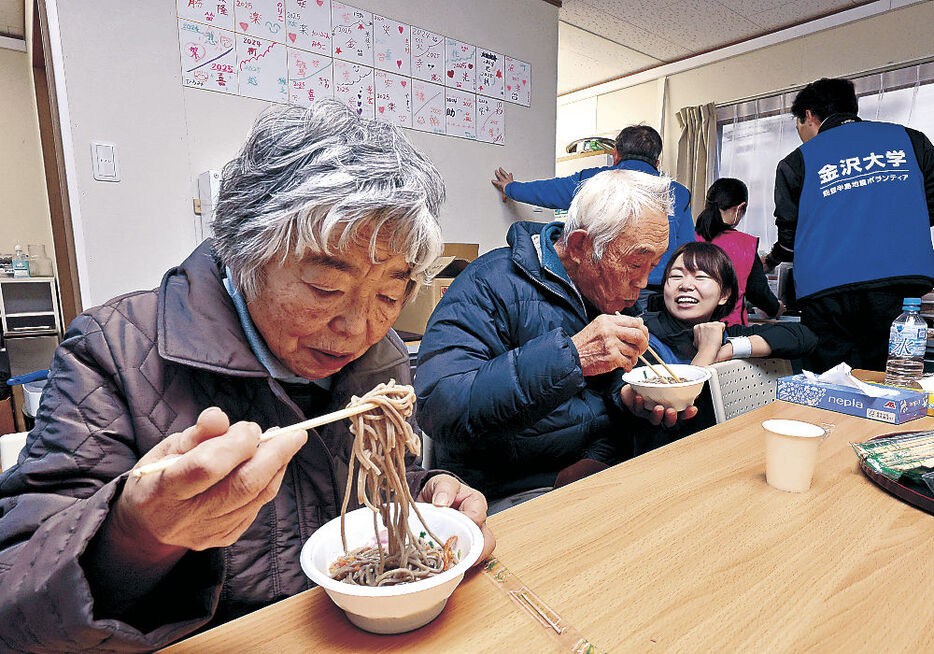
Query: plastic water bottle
907,341
20,263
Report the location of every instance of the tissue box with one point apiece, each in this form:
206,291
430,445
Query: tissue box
878,379
906,405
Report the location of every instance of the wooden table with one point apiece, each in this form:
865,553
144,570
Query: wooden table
683,549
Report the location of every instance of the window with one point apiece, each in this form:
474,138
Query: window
753,136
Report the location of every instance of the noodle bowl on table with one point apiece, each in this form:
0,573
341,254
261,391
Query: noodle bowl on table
388,569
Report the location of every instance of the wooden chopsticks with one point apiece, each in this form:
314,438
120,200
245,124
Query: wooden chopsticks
334,416
671,372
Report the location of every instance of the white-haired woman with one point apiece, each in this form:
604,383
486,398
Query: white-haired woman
325,225
519,372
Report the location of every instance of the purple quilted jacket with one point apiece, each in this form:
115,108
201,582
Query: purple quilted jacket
129,373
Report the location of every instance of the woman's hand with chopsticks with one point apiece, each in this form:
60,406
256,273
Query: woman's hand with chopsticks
610,342
206,498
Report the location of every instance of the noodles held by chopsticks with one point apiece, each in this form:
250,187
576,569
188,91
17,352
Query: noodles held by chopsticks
381,438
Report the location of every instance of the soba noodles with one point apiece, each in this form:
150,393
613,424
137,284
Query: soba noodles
381,438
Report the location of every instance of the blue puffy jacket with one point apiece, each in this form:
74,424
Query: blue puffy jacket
557,193
500,387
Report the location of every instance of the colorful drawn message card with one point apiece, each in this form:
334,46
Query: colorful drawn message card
218,13
310,77
460,64
353,85
262,68
263,19
460,114
518,82
427,107
491,79
308,24
353,33
393,98
391,50
491,120
209,57
427,56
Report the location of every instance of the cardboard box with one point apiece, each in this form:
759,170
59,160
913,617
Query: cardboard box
465,251
415,315
907,405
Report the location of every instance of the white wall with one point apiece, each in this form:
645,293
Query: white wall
24,210
130,93
895,36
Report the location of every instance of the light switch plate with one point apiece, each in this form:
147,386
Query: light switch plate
104,161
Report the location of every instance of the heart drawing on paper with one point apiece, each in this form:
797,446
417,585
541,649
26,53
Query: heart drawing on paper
244,26
399,63
508,87
404,82
292,37
382,110
451,74
401,29
470,66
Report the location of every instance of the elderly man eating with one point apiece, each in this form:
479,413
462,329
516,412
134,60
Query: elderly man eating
519,375
325,225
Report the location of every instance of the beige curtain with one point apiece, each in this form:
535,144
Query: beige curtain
697,151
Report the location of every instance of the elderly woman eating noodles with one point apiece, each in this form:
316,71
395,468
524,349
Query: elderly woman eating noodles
325,225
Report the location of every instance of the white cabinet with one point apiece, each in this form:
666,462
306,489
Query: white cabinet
29,307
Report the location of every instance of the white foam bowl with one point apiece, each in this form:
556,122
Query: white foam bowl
677,396
391,609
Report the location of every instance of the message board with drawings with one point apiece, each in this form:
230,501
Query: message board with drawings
296,51
427,107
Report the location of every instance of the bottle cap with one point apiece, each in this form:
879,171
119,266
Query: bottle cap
911,303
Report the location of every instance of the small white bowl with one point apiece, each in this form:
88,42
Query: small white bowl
391,609
677,396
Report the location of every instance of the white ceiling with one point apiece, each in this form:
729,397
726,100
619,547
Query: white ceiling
13,18
600,40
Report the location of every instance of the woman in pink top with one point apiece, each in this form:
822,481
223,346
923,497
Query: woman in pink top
726,206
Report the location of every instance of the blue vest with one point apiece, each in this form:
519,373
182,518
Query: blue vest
862,214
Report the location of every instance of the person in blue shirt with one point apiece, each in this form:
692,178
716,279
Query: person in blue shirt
638,147
854,205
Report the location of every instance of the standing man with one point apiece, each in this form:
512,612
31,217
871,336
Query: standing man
638,147
853,206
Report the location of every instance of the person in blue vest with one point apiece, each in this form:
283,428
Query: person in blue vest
638,147
854,205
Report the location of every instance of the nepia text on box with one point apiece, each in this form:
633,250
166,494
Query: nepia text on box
904,406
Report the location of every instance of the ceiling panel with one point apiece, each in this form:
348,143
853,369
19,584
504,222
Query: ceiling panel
585,59
667,30
13,18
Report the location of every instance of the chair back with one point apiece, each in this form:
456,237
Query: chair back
428,459
741,385
10,446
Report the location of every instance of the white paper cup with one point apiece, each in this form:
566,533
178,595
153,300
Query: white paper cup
791,453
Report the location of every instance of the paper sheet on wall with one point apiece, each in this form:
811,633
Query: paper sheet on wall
490,77
427,107
460,64
219,13
308,24
353,33
262,69
393,98
491,120
460,114
209,57
518,82
263,19
310,77
391,51
427,56
353,85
